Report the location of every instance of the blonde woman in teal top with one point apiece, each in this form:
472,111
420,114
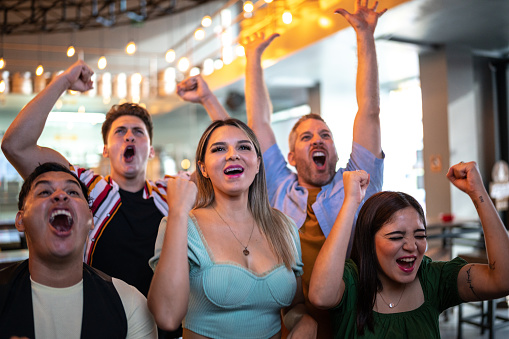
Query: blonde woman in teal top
226,263
389,289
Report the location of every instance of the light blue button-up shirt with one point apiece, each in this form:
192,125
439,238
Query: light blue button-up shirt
286,195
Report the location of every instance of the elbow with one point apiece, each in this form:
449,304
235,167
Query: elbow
319,299
165,316
7,147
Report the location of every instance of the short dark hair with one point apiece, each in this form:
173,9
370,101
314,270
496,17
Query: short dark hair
116,111
41,169
377,211
293,133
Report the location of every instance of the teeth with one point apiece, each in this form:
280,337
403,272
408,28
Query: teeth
407,259
231,169
318,154
60,212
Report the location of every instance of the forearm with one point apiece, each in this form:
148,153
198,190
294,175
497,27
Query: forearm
258,104
20,140
327,286
367,121
214,108
169,291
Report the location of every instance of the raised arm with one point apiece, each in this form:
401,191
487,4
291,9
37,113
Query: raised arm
195,89
168,295
477,281
19,143
327,286
258,104
366,128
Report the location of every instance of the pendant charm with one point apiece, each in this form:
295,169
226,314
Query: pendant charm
391,305
245,251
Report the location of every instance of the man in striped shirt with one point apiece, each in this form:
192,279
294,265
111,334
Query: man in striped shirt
127,207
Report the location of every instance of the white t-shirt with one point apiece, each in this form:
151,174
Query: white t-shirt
58,311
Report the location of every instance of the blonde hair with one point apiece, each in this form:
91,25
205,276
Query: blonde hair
276,226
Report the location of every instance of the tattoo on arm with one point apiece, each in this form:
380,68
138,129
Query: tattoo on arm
469,282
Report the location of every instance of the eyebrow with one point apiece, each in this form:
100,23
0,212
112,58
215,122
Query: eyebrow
224,143
401,232
48,182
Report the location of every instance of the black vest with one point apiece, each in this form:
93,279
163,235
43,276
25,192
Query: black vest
103,312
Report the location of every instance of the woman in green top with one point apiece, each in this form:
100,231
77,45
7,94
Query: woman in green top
389,288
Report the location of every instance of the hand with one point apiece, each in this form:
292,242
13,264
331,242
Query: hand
193,89
79,77
466,177
256,44
181,194
306,328
363,18
356,184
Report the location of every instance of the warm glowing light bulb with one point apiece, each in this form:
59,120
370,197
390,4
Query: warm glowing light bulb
206,21
218,64
183,64
70,51
186,163
170,56
39,70
268,1
194,71
2,63
199,34
287,17
130,48
102,62
240,51
324,22
248,6
137,78
2,86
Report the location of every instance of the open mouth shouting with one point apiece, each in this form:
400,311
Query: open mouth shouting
234,171
406,264
319,159
129,153
61,220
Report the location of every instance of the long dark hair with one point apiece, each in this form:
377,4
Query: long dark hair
376,212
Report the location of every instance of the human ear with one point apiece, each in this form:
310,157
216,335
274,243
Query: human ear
105,151
203,170
20,226
291,158
151,153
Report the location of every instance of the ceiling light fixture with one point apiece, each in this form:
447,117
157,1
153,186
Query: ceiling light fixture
248,6
287,17
206,21
102,63
130,48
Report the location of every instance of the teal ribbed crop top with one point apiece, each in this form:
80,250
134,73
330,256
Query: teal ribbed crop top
227,300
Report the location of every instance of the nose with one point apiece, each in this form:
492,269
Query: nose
232,154
410,245
59,195
129,136
317,140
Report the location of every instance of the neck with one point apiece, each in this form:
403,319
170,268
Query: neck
57,274
129,184
231,207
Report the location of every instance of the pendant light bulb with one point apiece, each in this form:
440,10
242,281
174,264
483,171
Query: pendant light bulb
170,56
2,63
102,62
183,64
2,86
130,48
39,70
199,34
287,17
70,51
206,21
248,7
